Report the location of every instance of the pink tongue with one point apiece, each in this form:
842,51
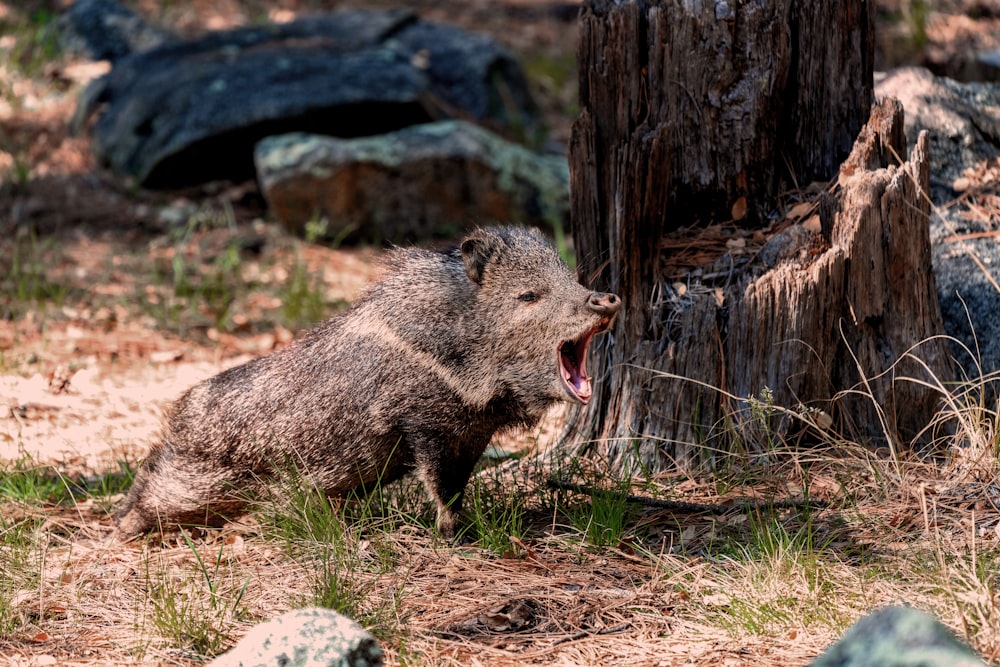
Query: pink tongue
579,383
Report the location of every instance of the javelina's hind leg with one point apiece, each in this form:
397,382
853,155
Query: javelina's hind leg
165,496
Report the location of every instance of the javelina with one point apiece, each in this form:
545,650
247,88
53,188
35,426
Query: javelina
448,349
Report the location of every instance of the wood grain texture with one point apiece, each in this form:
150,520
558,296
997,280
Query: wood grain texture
685,108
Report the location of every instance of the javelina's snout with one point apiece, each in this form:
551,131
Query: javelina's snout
604,303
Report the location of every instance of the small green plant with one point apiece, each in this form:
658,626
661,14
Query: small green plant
762,413
36,484
495,514
36,44
303,303
206,284
604,522
971,584
25,277
201,279
106,486
218,284
28,482
323,535
196,609
917,12
17,569
18,173
553,73
768,536
317,529
774,533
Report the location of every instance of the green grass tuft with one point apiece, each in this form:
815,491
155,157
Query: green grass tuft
28,482
26,275
344,548
195,608
36,43
18,569
302,302
494,514
604,522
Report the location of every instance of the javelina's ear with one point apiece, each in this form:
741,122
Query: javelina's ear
477,251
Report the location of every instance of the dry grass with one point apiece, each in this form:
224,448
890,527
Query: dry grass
759,587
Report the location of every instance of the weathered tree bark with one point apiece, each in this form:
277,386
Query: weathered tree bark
696,113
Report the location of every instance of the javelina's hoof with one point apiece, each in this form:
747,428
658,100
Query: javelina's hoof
130,524
447,524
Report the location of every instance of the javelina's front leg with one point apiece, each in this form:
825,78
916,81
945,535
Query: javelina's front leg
444,473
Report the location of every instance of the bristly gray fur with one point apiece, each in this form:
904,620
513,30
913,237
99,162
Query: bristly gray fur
449,348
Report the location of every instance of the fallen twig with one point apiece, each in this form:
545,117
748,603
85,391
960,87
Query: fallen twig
685,506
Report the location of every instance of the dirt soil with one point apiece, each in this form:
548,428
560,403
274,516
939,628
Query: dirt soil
96,336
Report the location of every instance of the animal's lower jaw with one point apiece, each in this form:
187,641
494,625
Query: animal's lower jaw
579,387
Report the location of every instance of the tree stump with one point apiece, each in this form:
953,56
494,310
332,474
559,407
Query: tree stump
700,123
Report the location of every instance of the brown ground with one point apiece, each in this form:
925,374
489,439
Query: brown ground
86,370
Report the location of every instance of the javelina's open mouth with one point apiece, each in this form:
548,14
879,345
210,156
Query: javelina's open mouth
573,362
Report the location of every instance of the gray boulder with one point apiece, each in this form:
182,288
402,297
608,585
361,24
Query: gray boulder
898,637
964,131
423,181
311,637
190,112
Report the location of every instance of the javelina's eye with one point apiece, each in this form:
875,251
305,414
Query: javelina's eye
527,297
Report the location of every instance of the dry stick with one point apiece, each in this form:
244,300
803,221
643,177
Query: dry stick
583,634
971,235
684,506
576,636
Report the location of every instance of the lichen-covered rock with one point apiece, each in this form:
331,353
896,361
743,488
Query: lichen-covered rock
898,637
190,112
419,182
311,637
